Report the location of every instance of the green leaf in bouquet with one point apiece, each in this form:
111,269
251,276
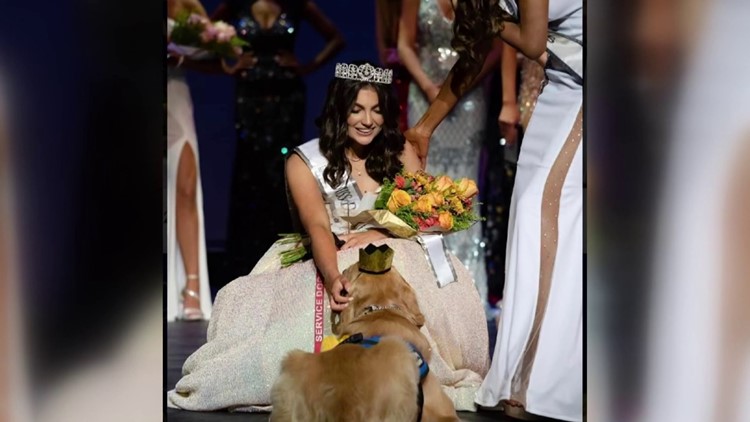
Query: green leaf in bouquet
300,252
406,214
182,16
238,42
293,256
290,238
185,33
385,193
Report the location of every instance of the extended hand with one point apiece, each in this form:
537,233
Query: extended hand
289,60
420,140
175,60
508,120
244,61
362,239
338,291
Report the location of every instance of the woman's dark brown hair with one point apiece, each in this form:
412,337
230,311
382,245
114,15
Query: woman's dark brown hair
383,159
476,23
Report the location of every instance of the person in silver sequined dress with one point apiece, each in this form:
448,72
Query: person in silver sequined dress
424,45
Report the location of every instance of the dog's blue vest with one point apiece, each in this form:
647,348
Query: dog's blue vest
372,341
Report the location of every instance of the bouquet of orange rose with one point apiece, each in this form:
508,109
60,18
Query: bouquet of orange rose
197,37
410,204
419,202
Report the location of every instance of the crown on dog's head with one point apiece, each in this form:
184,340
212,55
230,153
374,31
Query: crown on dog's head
375,259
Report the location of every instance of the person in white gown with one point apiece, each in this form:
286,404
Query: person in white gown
188,292
260,317
537,364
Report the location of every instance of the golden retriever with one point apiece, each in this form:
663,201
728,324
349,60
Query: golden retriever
352,383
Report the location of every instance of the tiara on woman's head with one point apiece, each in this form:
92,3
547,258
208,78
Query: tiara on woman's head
364,72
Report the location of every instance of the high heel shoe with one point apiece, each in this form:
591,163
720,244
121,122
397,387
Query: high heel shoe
189,314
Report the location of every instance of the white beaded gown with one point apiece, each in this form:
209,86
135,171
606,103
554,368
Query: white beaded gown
539,350
180,134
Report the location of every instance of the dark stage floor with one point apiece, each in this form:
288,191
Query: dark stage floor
183,338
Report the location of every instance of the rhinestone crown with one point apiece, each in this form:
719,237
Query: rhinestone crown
364,72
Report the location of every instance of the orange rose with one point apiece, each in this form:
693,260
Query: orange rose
442,183
466,188
437,198
446,220
398,199
424,204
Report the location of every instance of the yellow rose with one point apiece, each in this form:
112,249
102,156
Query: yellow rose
442,183
398,199
457,205
466,188
422,178
446,220
437,198
424,204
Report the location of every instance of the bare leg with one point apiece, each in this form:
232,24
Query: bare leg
186,216
550,208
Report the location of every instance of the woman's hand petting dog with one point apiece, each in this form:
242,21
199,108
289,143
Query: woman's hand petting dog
361,239
338,291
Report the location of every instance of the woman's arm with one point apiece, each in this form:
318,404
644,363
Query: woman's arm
407,41
510,115
314,218
419,135
490,62
222,13
174,7
213,66
410,159
508,72
529,36
380,34
334,40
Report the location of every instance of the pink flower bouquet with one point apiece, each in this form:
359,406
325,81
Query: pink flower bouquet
196,37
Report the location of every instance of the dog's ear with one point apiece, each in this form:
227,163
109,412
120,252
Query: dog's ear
335,322
409,298
417,318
